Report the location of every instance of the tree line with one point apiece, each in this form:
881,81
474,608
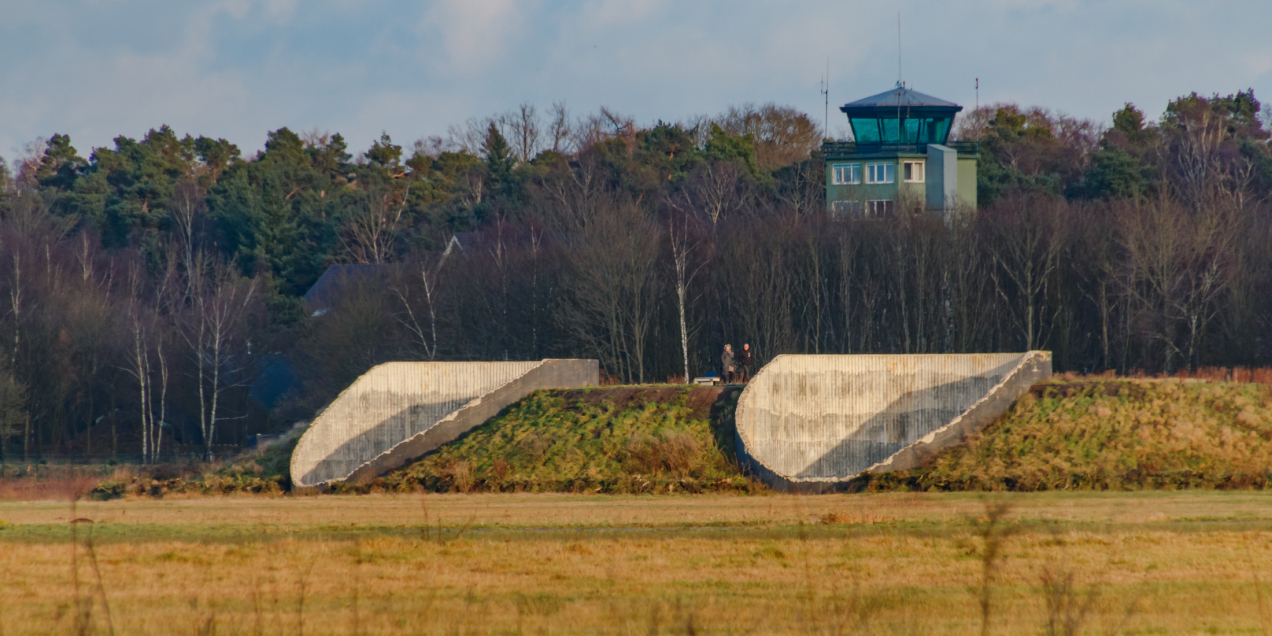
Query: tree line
150,289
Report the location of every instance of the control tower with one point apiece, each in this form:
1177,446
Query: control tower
901,155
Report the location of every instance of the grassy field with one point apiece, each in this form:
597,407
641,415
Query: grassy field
900,563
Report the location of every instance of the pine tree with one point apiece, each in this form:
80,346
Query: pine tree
498,159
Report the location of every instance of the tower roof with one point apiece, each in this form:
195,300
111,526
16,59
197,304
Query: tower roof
901,116
900,96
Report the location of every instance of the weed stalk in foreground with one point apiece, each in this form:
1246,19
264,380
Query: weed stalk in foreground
1066,610
993,537
303,575
1258,591
84,604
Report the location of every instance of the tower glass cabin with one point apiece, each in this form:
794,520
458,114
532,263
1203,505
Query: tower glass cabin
900,155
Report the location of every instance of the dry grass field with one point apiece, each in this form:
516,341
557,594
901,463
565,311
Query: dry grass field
1061,563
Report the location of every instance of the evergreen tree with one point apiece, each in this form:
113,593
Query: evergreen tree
60,165
722,146
385,154
499,161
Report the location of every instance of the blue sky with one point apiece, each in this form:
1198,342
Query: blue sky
96,69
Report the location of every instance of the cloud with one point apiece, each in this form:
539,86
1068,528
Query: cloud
279,11
474,33
607,13
238,68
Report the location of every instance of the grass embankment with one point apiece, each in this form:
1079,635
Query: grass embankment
1067,433
609,440
1112,434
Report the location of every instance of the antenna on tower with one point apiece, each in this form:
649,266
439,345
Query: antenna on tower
978,93
900,77
825,91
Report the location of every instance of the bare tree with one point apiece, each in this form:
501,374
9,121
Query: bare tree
15,306
1098,264
699,127
13,413
315,137
219,307
574,194
603,126
188,206
371,230
432,146
683,252
29,163
716,189
146,336
756,272
430,271
472,188
968,287
803,187
470,137
1179,264
613,287
525,132
1026,253
559,128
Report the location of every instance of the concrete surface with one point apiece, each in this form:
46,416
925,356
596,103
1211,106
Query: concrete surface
811,422
398,411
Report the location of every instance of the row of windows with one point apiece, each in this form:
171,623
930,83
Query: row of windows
850,173
864,209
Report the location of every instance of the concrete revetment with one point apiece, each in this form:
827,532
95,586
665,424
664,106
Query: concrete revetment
814,422
399,411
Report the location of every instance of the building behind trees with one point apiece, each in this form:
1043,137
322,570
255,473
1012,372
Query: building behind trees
149,286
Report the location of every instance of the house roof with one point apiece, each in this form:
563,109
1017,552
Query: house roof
328,287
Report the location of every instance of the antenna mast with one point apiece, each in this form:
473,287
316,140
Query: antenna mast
978,93
825,91
900,84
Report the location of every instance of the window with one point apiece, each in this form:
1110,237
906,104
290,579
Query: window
878,208
874,209
913,171
846,208
846,173
880,172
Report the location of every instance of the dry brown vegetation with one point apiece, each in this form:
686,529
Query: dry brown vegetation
1109,433
633,440
1180,563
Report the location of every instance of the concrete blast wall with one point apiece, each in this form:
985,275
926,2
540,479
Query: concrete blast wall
809,422
399,411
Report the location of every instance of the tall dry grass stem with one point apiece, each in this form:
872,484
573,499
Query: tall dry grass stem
302,576
993,538
101,586
1258,590
83,604
258,625
357,584
1067,609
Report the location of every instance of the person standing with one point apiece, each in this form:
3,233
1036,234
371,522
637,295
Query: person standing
745,362
726,364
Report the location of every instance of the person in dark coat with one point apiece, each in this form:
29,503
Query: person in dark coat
745,362
726,364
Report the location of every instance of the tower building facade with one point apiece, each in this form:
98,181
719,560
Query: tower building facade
900,156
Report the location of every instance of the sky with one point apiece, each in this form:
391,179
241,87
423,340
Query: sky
97,69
